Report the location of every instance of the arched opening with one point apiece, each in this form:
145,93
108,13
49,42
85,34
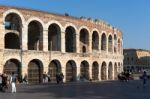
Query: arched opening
115,71
103,71
35,71
84,49
95,41
115,43
35,36
84,70
53,69
110,71
110,43
119,46
13,23
13,65
71,71
103,42
84,40
12,41
95,71
54,37
70,39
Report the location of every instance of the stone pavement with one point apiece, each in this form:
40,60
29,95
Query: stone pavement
82,90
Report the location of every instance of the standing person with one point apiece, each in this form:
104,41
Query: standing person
57,78
4,82
44,77
25,79
13,82
1,82
61,77
144,77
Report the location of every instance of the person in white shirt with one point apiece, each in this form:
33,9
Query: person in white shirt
1,80
13,82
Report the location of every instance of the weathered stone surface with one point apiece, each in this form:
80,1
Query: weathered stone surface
24,56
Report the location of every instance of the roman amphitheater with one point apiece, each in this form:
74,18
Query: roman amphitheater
34,42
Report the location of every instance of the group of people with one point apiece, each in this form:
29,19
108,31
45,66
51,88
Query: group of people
6,80
124,76
3,82
59,78
46,78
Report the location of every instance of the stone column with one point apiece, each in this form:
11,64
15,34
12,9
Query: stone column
1,61
107,44
45,40
90,71
63,41
24,68
77,43
113,44
90,44
99,75
64,71
99,44
24,46
78,71
2,35
46,63
107,72
113,73
24,37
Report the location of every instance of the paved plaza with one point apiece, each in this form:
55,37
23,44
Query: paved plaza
82,90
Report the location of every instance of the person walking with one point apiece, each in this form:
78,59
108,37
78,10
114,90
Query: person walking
13,82
144,77
25,79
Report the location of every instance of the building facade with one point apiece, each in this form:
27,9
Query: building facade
34,42
136,60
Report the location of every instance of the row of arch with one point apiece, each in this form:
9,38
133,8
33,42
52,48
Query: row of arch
35,70
14,22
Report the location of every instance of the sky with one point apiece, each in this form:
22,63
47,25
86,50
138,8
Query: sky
132,17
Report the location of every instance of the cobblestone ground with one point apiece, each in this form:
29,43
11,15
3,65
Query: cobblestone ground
82,90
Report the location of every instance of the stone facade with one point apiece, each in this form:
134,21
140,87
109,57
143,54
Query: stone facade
34,42
136,60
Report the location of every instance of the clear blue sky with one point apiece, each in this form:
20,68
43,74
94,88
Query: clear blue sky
131,16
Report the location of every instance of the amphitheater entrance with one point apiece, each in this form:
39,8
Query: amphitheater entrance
95,71
13,65
110,71
71,71
35,71
103,71
54,68
84,70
